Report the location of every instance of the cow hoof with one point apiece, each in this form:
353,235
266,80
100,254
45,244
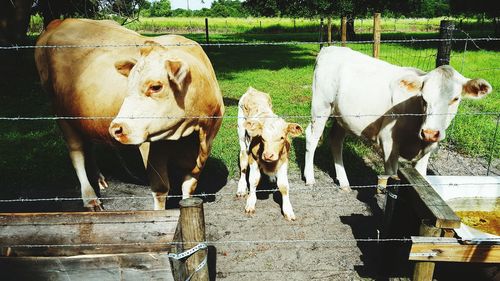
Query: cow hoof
346,188
94,206
241,195
102,182
310,182
249,211
290,217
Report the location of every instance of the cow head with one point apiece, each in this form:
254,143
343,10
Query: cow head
442,90
273,133
157,83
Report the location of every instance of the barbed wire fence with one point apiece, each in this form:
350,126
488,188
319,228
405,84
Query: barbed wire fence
400,52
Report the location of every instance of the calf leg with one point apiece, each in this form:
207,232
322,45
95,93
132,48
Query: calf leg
337,136
242,183
254,178
157,171
76,147
284,187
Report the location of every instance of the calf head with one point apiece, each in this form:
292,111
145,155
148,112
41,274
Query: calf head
157,83
442,90
273,134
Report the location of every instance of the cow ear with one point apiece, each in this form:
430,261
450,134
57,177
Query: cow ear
476,88
177,71
411,83
253,127
125,66
294,129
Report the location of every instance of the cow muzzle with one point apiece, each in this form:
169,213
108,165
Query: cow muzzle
429,135
122,133
269,156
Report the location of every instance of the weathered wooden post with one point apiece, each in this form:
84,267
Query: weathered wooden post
424,271
192,223
444,50
329,30
376,35
206,30
343,31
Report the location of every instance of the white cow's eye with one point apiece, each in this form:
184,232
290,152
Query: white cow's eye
454,100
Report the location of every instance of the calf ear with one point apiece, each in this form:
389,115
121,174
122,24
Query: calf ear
476,88
253,127
124,66
294,129
177,71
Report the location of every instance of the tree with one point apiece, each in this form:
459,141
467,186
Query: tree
160,8
14,20
227,8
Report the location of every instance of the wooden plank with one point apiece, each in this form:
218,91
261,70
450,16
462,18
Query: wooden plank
449,250
427,202
135,266
76,233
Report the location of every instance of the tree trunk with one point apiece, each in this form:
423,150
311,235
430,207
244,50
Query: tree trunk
14,20
351,34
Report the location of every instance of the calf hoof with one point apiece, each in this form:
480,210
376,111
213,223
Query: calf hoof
240,195
310,181
249,211
290,217
102,182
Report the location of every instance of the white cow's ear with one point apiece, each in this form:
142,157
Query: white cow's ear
411,83
294,129
476,88
125,66
177,71
253,127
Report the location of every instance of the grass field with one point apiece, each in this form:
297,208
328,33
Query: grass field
33,154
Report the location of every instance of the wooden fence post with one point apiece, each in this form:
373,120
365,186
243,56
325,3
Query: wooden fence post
423,271
343,31
329,30
206,30
376,35
444,50
192,222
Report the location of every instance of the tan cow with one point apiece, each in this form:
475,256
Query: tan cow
264,146
154,90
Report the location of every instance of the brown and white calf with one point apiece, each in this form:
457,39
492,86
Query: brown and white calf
365,93
264,147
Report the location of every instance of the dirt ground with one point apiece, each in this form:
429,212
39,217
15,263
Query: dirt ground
329,221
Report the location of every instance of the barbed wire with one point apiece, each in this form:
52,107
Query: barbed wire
292,190
393,115
272,241
224,44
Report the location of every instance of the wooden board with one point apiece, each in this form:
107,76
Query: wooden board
134,266
77,233
427,202
449,250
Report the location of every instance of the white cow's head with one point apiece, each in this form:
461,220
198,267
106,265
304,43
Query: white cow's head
442,90
157,84
273,133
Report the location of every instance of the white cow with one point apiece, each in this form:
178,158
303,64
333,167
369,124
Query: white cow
363,91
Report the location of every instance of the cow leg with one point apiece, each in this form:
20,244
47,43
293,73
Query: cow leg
76,147
254,178
157,171
284,187
313,133
337,135
191,180
390,151
421,165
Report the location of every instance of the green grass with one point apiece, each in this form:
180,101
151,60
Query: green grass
33,154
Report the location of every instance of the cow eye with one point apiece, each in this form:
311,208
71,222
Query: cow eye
454,100
155,88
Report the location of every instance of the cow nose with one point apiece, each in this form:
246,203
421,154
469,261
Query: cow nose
118,131
268,156
430,135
